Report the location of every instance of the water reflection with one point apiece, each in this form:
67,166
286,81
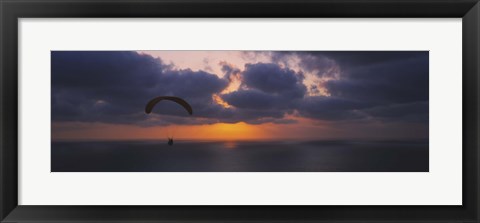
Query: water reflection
231,156
230,145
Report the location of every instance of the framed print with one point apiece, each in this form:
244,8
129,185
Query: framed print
247,111
225,111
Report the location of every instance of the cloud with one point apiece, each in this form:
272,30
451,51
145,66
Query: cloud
377,90
312,62
332,108
252,99
114,86
355,59
267,86
271,78
229,70
409,112
390,82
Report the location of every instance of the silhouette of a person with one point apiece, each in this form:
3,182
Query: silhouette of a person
170,141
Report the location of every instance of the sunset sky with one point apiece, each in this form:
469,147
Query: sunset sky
240,95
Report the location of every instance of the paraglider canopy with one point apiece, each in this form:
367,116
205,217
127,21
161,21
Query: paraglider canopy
153,102
183,103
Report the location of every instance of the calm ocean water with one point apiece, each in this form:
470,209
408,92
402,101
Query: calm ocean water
217,156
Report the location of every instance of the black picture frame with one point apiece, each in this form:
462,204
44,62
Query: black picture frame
12,10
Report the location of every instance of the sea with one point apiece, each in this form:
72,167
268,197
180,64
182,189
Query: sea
241,156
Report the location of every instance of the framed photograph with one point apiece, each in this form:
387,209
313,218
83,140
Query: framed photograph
174,111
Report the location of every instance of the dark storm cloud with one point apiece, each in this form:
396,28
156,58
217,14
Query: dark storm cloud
252,99
354,59
390,82
322,60
332,108
270,78
312,62
267,94
379,88
409,112
267,86
113,87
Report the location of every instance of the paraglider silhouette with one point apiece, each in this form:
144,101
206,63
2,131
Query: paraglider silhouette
183,103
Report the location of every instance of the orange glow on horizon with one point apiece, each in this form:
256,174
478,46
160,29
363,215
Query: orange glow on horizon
225,131
304,129
218,131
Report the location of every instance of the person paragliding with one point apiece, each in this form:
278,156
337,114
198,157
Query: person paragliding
154,101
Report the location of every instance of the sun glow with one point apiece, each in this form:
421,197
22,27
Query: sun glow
236,131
